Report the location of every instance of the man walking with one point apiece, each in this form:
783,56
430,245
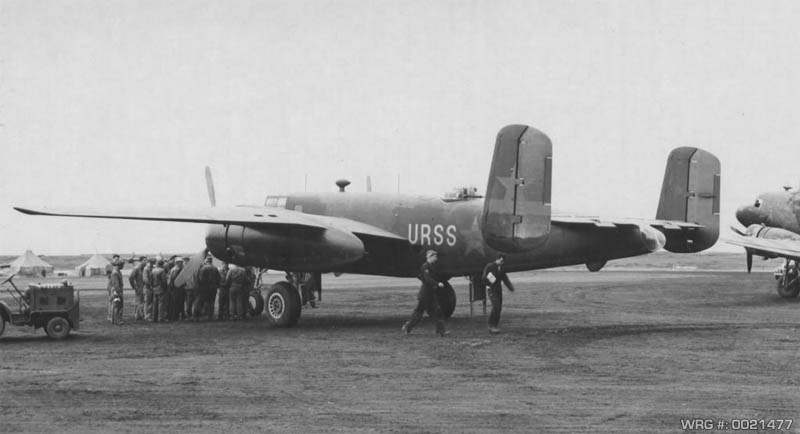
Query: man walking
426,297
493,277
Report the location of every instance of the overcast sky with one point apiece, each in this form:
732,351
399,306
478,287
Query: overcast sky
121,103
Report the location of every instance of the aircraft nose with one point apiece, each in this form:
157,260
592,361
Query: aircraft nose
747,216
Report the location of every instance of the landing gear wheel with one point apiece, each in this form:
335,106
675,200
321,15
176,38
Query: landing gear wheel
2,325
283,305
255,303
57,328
447,300
790,291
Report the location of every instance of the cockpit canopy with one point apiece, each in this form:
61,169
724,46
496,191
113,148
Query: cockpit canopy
461,193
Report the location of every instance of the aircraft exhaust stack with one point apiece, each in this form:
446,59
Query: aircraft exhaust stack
516,210
691,193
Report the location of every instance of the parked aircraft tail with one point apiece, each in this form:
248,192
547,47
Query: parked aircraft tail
516,210
690,193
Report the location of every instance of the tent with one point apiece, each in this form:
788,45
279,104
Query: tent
94,266
30,265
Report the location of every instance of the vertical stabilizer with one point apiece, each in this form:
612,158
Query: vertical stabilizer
516,211
691,193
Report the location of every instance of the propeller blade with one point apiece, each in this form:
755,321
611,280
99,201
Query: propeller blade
738,231
186,277
369,184
210,186
749,260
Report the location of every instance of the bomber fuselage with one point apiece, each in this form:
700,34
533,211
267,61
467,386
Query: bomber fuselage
453,229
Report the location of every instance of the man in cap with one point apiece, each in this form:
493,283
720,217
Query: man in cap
237,281
136,280
493,277
115,292
176,293
427,295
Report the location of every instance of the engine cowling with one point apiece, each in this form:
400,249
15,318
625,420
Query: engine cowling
771,233
286,247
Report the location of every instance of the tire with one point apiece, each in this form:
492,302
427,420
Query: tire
57,328
255,303
787,292
283,305
447,300
2,325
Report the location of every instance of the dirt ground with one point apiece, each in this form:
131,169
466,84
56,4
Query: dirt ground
580,352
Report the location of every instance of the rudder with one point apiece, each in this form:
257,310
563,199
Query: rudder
691,193
516,211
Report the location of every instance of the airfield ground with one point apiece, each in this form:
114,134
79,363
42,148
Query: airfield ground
580,352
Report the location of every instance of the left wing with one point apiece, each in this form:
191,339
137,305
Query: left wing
767,247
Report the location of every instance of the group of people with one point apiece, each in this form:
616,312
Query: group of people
432,281
159,296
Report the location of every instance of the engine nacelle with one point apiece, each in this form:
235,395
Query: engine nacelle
286,247
770,233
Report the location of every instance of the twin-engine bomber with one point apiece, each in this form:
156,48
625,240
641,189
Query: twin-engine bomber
388,234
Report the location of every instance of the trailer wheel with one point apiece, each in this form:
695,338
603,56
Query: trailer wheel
57,328
283,305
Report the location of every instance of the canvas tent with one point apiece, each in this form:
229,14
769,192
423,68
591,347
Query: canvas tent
94,266
30,265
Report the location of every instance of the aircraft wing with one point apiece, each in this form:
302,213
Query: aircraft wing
768,247
255,216
239,215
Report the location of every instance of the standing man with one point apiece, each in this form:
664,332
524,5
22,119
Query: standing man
159,292
208,280
136,280
176,294
426,297
115,292
224,294
493,277
236,281
149,297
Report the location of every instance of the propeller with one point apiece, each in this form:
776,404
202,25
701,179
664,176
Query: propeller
210,186
748,251
186,277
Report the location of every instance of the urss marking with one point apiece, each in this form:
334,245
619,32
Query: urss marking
425,234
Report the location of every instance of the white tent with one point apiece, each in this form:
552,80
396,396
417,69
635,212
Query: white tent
94,266
30,265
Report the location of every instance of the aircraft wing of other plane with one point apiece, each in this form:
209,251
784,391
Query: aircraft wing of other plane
767,247
253,216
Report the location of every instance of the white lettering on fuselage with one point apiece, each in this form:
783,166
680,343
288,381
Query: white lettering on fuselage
425,234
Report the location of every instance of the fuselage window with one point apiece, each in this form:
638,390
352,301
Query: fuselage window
272,201
281,202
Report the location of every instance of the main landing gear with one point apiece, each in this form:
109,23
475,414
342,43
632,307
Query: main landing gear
788,284
284,300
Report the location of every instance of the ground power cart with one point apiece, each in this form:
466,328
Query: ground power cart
53,307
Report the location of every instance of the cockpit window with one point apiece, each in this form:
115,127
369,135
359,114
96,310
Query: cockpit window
758,203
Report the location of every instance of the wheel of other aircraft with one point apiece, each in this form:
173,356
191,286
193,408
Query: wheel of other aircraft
447,300
255,303
283,305
57,328
790,291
